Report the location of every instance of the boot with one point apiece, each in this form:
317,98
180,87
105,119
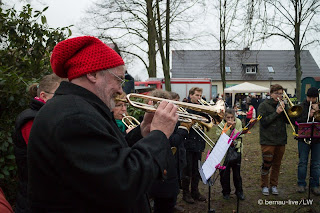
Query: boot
198,196
187,197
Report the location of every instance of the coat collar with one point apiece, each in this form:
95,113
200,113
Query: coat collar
67,88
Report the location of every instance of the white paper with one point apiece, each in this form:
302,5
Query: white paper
215,157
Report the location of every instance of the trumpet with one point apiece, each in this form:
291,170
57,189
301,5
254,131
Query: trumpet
214,112
219,107
130,121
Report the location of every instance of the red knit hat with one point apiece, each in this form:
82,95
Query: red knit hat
78,56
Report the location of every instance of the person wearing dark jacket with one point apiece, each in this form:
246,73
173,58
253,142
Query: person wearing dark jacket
194,145
43,92
164,193
306,145
273,138
79,161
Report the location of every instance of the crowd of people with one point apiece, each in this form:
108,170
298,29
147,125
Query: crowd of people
72,145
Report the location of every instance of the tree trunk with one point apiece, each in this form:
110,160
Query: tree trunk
297,51
167,78
151,40
165,66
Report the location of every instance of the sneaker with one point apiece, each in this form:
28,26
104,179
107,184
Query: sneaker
301,189
274,190
240,195
187,197
265,191
315,191
199,197
226,197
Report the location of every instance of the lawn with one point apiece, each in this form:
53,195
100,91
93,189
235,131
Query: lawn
287,201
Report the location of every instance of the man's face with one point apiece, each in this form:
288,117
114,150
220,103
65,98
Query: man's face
195,97
109,84
313,99
277,94
119,109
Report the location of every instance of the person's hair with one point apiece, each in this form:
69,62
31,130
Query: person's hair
33,90
194,89
275,88
121,97
230,111
159,93
46,84
174,95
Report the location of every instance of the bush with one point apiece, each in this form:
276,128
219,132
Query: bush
26,42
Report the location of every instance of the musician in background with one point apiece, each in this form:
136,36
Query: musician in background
165,192
234,164
119,111
78,159
304,147
273,138
194,145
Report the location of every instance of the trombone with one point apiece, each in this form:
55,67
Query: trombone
132,122
284,110
294,110
199,130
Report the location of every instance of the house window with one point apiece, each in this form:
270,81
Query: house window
251,69
228,69
271,69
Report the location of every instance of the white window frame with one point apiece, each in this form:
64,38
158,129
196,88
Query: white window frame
228,69
270,69
251,69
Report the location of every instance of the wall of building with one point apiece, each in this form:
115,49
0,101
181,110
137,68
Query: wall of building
289,85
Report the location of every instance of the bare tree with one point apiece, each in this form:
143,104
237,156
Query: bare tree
294,20
133,25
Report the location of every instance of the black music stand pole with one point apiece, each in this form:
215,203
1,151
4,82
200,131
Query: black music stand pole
210,183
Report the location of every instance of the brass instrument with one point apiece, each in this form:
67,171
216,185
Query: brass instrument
284,110
130,121
316,114
197,127
219,107
294,110
213,111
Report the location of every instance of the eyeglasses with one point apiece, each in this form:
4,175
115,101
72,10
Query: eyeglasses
120,80
52,93
121,105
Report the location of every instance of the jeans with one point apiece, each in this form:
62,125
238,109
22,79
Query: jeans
225,178
304,150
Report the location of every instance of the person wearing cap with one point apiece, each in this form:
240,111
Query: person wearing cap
304,147
78,159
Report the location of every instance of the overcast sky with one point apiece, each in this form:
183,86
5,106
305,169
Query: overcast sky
63,13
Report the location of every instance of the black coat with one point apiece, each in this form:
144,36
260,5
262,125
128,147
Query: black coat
194,142
20,152
80,162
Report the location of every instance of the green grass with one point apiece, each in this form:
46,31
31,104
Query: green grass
250,172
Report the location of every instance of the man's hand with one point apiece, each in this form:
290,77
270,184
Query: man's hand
165,118
280,107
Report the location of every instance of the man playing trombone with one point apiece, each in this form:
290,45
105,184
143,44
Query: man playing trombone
194,145
273,138
305,145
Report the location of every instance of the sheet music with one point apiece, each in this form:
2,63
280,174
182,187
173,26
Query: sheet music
215,157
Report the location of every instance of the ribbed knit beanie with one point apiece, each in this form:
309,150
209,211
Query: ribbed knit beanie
78,56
